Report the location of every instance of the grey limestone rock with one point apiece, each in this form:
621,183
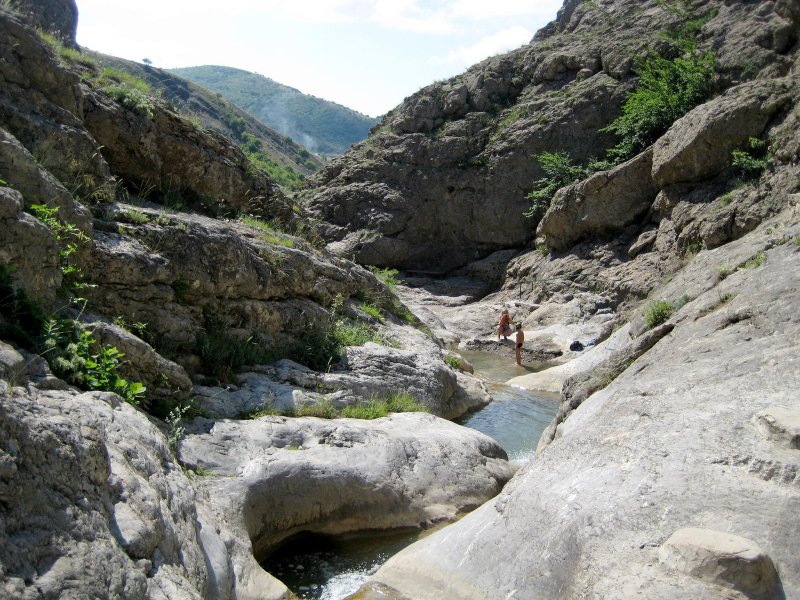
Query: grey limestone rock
276,476
780,424
59,17
721,558
38,186
93,503
28,246
699,145
12,363
602,204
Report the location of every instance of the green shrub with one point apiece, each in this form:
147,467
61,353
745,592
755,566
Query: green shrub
453,361
658,312
316,347
265,411
271,233
132,99
68,237
320,345
404,402
283,175
693,248
559,170
372,310
135,217
76,357
113,75
383,406
139,327
355,333
223,355
174,421
388,302
667,89
722,271
66,54
374,409
727,198
180,289
387,276
750,162
324,410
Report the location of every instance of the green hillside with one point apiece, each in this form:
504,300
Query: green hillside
319,125
286,161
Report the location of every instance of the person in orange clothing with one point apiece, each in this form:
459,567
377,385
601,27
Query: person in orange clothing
504,324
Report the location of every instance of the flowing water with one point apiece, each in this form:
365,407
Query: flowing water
331,568
516,417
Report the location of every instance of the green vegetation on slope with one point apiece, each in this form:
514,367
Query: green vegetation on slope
286,162
667,89
322,126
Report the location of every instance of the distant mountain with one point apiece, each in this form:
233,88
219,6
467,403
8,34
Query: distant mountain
319,125
287,162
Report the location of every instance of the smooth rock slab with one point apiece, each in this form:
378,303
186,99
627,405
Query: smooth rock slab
722,559
277,476
780,424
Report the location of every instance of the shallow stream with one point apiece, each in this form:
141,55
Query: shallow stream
327,568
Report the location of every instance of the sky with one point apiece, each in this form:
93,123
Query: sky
367,55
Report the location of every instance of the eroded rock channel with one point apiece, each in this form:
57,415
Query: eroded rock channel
331,567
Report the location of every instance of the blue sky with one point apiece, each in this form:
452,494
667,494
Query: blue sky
365,54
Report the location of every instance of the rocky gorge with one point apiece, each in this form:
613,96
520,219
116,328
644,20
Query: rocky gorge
671,468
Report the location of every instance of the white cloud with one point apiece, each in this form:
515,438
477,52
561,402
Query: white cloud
502,41
404,15
481,10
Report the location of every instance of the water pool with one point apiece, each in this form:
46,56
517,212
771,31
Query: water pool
319,567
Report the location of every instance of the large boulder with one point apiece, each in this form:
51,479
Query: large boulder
28,247
37,185
166,154
93,503
58,17
271,478
603,204
180,270
699,144
729,561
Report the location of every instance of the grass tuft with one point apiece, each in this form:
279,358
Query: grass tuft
658,312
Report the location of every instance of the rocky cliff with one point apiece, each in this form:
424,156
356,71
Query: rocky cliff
149,273
442,181
671,467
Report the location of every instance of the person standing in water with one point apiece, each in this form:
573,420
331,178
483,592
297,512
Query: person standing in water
518,346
